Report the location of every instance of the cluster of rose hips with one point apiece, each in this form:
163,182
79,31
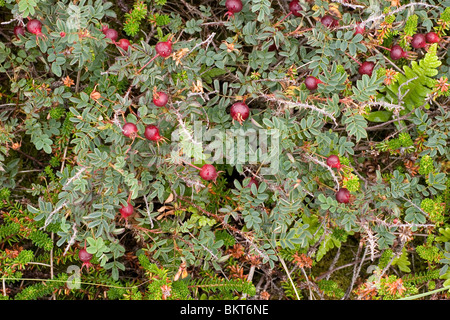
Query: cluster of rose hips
418,41
342,195
33,26
151,132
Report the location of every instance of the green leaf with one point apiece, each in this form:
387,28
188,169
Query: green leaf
378,116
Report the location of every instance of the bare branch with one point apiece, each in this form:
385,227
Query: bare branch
300,105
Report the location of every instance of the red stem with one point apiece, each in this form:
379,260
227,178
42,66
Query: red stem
353,58
279,22
145,65
190,164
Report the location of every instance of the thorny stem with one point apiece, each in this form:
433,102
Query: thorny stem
356,271
299,105
382,16
148,211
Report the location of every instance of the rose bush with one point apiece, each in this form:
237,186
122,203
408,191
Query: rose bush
212,124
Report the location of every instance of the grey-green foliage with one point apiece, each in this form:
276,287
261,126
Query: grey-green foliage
232,64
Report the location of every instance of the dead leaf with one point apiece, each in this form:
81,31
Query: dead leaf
169,198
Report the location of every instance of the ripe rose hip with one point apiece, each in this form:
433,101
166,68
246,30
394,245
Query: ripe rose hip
272,47
152,133
124,44
239,111
126,211
295,8
164,48
233,6
432,37
366,68
208,172
359,29
160,99
19,30
34,26
252,181
343,195
418,41
311,82
111,34
397,52
333,162
129,129
329,22
84,255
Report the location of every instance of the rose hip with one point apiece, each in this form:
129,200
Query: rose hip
311,82
295,8
418,41
397,52
160,99
111,34
129,129
329,22
19,30
233,6
124,44
333,162
126,211
152,133
432,37
164,48
239,111
208,172
366,68
343,195
34,26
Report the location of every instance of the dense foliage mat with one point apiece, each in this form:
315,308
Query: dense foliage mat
232,149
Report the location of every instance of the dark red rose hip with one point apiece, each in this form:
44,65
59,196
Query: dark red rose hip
333,162
124,44
111,34
160,99
164,48
295,8
343,195
239,111
432,37
366,68
208,172
129,129
152,133
233,6
329,22
418,41
397,52
19,30
126,211
311,82
34,26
